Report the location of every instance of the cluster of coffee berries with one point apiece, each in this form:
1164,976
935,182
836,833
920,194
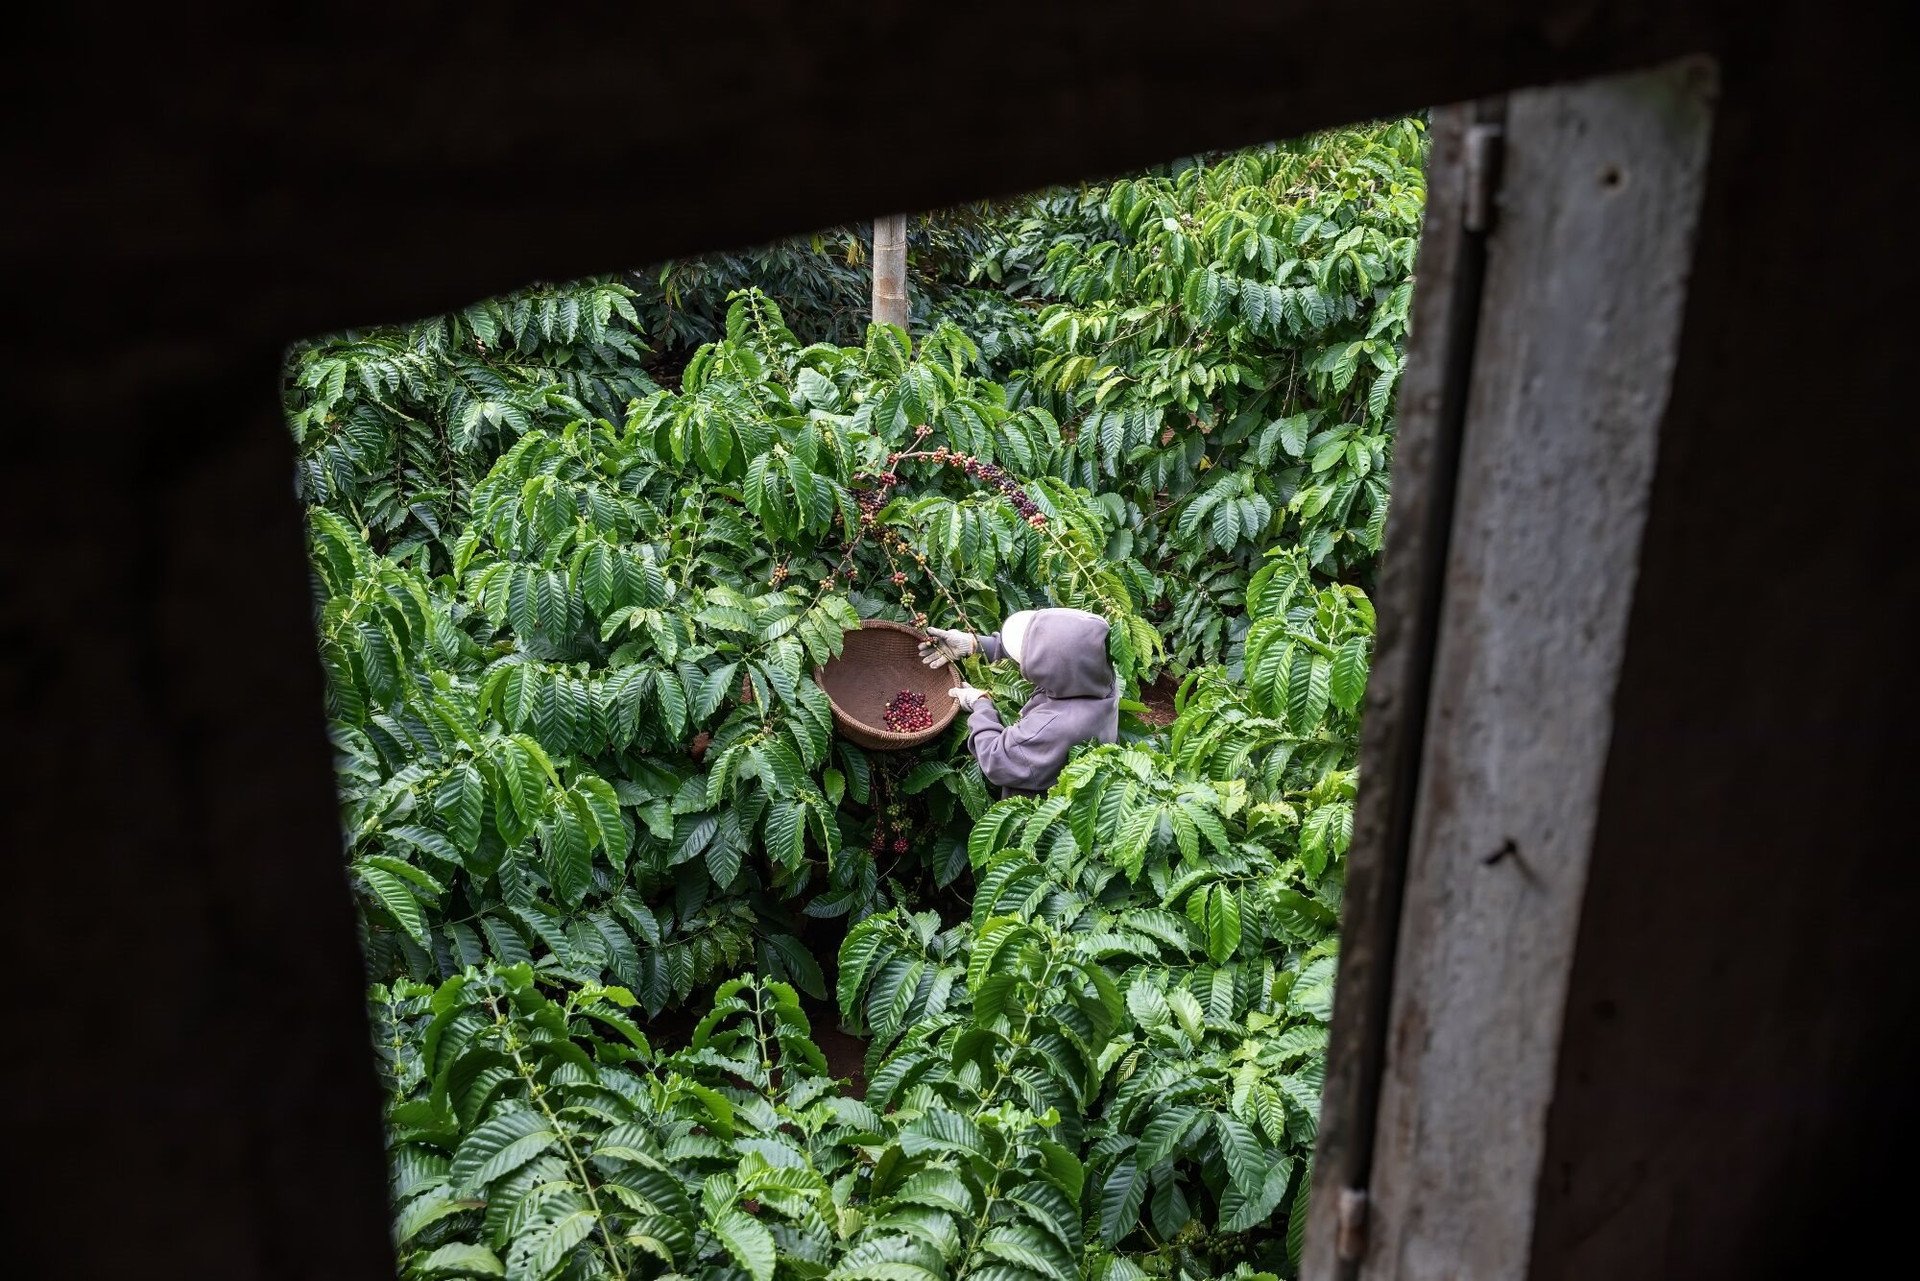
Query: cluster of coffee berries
890,832
992,474
1009,489
872,500
907,712
881,842
779,573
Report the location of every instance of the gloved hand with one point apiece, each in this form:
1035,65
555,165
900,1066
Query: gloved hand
966,696
941,646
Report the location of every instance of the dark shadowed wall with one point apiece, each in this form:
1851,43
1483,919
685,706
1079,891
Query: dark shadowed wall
191,188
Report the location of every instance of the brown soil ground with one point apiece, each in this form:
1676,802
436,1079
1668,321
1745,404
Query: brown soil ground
846,1053
1158,696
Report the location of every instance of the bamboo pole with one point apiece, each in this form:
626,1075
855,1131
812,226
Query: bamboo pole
890,270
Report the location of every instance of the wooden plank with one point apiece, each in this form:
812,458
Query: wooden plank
1583,297
339,148
1430,411
1735,1097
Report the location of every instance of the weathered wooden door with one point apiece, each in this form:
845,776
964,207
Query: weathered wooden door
1548,304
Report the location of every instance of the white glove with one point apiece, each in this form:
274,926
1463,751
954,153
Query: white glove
942,646
966,696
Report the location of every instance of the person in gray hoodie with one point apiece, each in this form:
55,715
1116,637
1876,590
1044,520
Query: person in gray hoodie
1076,695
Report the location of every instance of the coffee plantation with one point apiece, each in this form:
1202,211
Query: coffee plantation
577,554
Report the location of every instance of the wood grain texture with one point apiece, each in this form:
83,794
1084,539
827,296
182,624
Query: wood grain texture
1735,1095
1584,289
284,144
1407,599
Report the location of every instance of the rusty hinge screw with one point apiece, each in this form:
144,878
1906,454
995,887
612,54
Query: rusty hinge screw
1350,1237
1483,175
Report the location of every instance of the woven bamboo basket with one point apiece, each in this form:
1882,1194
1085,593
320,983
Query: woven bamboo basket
879,661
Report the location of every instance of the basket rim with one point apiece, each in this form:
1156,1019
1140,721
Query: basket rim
890,738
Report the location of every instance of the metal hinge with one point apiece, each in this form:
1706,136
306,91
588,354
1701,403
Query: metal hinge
1483,145
1350,1235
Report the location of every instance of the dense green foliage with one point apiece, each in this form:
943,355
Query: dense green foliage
823,281
1198,884
395,426
594,741
570,619
1221,344
1115,1059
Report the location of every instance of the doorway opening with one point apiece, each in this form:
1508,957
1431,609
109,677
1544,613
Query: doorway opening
674,968
632,864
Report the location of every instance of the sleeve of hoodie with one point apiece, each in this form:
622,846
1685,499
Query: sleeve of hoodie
1025,758
990,647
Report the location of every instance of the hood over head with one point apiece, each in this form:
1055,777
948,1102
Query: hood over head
1062,651
1013,633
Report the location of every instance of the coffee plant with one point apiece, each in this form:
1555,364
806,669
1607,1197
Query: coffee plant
823,281
578,728
1202,880
1112,1066
1221,342
577,555
394,426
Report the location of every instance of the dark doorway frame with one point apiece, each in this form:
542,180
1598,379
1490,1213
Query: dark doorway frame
188,210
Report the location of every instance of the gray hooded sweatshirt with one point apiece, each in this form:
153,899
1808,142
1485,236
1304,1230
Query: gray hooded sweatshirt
1076,699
